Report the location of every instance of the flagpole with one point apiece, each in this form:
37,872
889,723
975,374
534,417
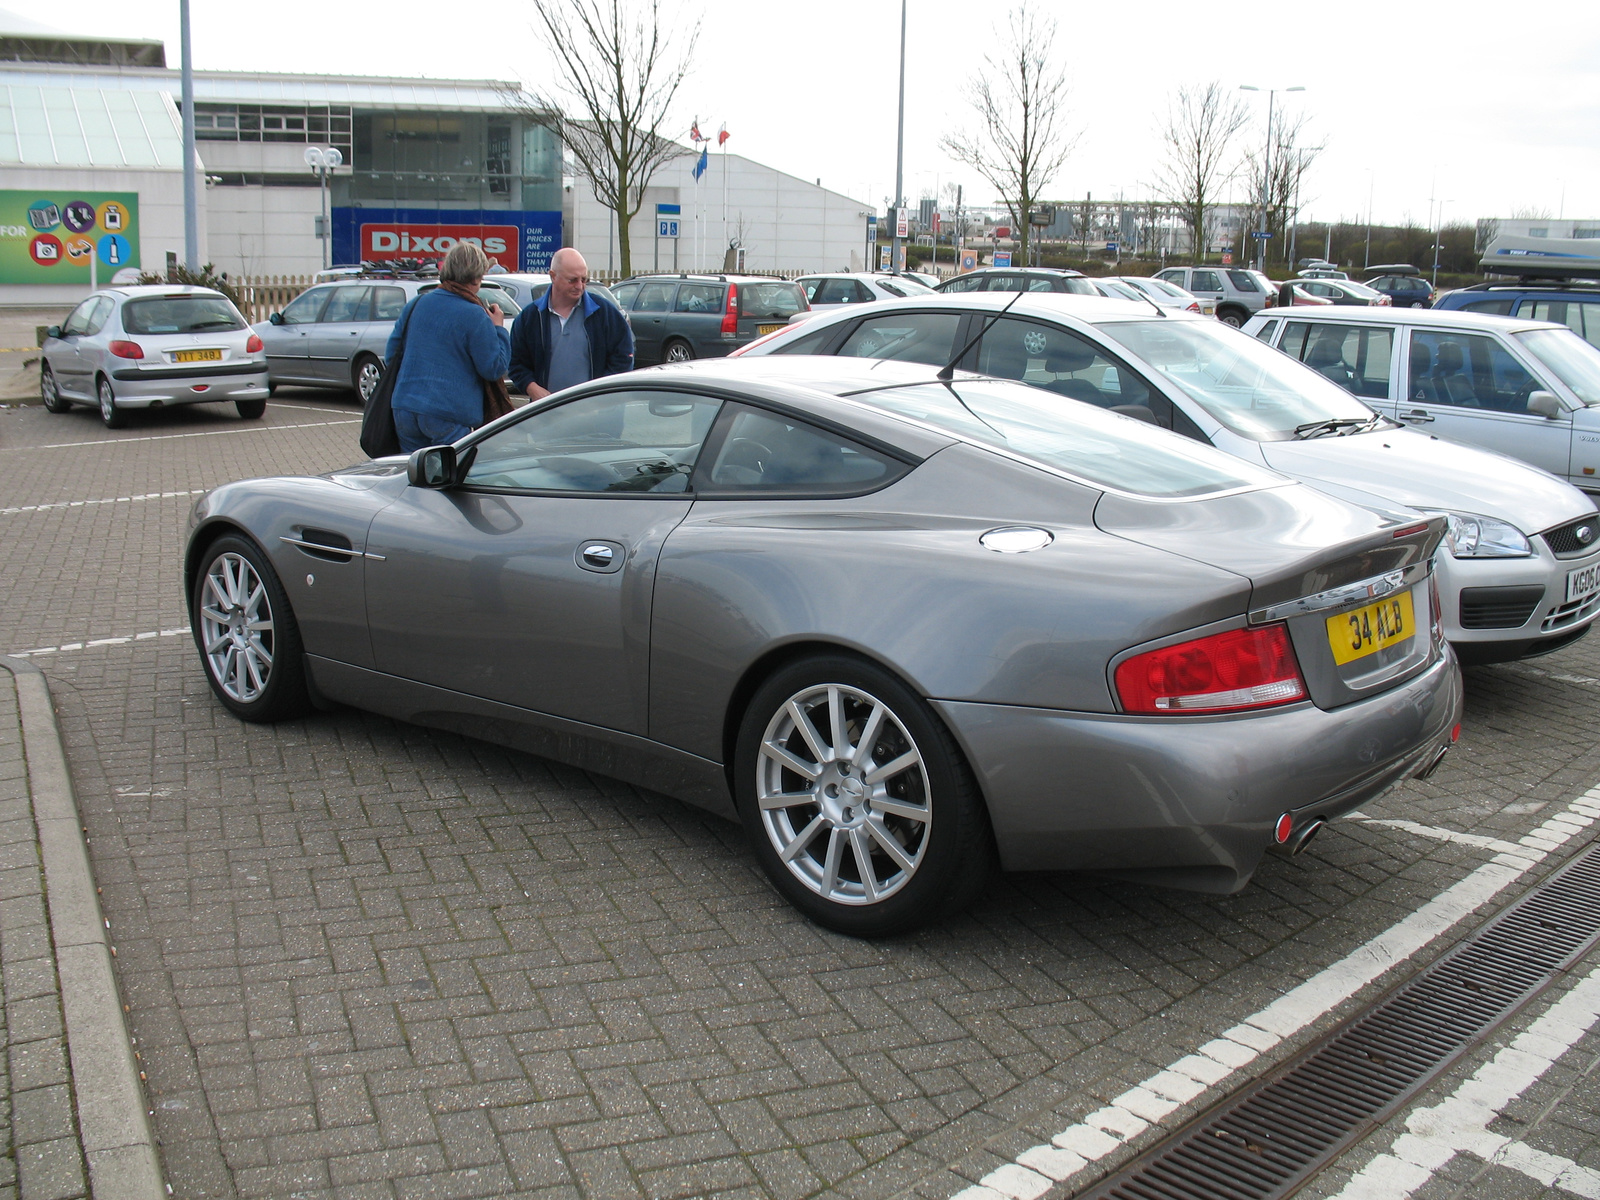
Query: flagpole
725,244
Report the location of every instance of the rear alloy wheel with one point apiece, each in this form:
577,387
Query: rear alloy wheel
54,401
677,351
365,377
857,801
114,417
251,410
246,633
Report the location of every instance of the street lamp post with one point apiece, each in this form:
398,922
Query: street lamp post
1438,232
1266,171
900,148
323,160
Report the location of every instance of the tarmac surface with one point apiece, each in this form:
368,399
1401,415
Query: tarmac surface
365,959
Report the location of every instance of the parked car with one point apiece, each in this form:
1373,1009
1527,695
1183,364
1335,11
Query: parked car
527,287
151,345
1573,303
1322,271
1517,579
898,626
677,318
858,287
336,334
1337,291
1529,389
1237,292
1168,295
1291,293
1020,279
1403,284
926,279
1112,289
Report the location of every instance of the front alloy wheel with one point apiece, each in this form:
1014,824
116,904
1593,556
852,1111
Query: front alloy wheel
50,391
247,634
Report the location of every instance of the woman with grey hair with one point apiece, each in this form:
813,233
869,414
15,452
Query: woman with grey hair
450,346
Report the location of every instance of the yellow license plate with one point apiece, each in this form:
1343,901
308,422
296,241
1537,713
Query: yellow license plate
196,355
766,329
1369,629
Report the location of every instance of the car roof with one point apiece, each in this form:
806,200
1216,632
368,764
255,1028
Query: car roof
1068,271
133,291
1409,316
1047,305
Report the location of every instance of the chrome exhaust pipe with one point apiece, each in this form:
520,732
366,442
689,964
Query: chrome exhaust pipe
1433,763
1302,837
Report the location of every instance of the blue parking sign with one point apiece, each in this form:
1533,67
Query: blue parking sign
667,229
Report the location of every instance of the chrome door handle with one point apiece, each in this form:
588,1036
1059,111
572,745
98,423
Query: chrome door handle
602,557
598,555
1419,417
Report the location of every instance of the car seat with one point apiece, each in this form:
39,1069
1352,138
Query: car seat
1326,357
1454,387
1066,357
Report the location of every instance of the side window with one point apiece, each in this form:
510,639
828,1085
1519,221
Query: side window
617,442
1205,281
1244,281
1500,307
1583,319
1355,357
766,452
1035,284
1267,330
968,283
811,343
78,321
624,292
654,297
699,298
306,307
1175,275
835,291
1058,361
1467,370
102,312
1004,283
387,303
347,304
919,337
809,286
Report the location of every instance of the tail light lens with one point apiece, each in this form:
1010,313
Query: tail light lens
1226,672
127,349
1194,306
253,346
1436,611
730,318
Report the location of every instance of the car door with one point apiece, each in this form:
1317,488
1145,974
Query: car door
1359,358
530,582
333,340
384,309
1207,284
288,341
648,316
65,354
1470,387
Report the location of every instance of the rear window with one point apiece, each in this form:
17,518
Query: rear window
1089,444
180,314
1077,287
1500,307
1244,281
758,301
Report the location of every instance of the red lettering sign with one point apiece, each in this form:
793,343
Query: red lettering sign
502,243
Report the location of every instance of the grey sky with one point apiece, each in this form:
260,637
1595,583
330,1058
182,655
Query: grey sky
1486,107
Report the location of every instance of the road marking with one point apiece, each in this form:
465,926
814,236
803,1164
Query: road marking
1441,835
167,437
343,412
110,641
1459,1125
1189,1078
19,349
28,508
1559,677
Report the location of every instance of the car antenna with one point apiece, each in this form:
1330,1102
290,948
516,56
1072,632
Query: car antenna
1150,300
947,372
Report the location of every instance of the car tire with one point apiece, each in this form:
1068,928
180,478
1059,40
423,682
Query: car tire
245,631
677,350
54,401
110,414
365,374
251,410
1233,317
840,859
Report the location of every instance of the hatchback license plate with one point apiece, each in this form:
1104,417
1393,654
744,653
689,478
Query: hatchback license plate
766,329
1583,583
196,355
1369,629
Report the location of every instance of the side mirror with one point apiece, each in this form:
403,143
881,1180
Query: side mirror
276,318
432,467
53,332
1546,405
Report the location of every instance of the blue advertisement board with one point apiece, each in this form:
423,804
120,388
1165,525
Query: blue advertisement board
518,241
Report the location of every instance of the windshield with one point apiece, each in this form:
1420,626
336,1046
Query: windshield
180,314
1249,387
1090,444
1569,358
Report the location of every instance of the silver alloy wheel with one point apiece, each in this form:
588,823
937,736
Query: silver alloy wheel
50,391
678,352
236,628
843,794
108,403
367,377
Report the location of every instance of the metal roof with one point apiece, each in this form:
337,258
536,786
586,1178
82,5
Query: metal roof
87,126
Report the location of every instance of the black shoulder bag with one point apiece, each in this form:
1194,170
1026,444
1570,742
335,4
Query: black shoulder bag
378,436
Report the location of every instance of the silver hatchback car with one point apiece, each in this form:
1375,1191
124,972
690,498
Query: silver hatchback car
151,345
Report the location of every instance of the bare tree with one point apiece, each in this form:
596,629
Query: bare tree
1021,139
1201,125
619,73
1275,186
1530,212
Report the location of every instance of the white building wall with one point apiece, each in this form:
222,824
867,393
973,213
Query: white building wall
785,223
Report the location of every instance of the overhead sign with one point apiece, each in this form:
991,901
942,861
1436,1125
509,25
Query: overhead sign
1002,258
518,241
51,238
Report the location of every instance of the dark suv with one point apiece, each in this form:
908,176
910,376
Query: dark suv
1021,279
1403,284
676,318
1573,303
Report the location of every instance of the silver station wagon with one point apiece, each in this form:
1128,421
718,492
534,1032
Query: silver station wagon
900,627
149,346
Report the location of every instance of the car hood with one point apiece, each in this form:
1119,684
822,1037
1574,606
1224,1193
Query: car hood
1398,466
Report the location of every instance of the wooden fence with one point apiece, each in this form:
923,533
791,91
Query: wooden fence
263,295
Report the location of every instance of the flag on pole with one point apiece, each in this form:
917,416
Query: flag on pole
700,167
694,132
722,134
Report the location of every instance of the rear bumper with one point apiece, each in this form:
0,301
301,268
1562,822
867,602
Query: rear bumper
1191,802
188,387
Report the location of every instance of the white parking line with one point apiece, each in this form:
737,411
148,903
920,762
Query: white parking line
1459,1125
166,437
28,508
1559,677
1441,835
1191,1077
110,641
343,412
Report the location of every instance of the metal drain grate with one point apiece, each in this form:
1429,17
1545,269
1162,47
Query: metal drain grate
1269,1138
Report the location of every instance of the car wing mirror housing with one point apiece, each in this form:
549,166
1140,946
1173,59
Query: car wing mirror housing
1547,405
53,332
432,467
276,318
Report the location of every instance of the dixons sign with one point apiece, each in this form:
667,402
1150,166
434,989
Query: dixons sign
379,242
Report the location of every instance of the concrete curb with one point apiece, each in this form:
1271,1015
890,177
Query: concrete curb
113,1123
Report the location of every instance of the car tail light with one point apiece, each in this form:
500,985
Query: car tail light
1194,306
730,318
127,349
1383,301
1436,614
1226,672
253,346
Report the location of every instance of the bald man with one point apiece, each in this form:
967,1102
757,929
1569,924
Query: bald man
567,336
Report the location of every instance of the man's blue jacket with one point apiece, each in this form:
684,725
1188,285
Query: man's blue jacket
610,341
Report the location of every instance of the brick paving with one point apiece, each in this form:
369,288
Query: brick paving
366,959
